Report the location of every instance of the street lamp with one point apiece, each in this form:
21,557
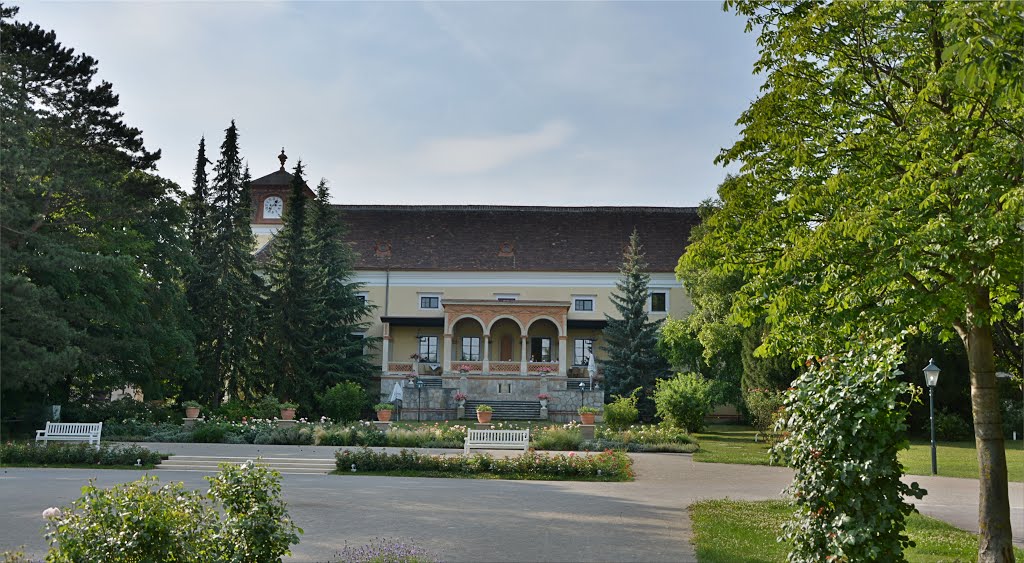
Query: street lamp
582,387
419,406
931,378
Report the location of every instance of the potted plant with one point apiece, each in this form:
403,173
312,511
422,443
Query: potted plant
546,370
587,414
543,398
191,409
463,369
383,411
460,398
288,411
483,413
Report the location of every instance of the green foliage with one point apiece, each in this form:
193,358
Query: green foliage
301,435
209,432
1013,418
765,408
339,354
621,412
146,521
773,372
846,426
388,407
562,438
34,453
684,401
344,402
138,521
631,340
484,408
606,466
950,427
255,525
121,410
92,248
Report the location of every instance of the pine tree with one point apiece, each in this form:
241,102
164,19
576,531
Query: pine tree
199,279
229,323
631,340
292,303
343,314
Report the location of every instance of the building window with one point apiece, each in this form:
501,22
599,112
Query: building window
585,304
363,297
659,302
506,297
581,348
430,301
540,350
428,349
470,349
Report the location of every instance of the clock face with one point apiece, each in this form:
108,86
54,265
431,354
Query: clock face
272,207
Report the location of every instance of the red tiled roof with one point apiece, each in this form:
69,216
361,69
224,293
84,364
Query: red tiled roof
510,238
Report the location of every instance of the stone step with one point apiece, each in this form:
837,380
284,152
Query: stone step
507,410
286,465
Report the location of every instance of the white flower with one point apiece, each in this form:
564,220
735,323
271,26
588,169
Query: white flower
52,512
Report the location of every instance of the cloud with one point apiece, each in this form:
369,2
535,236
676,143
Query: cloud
472,155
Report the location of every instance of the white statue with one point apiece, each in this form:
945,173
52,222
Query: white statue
591,367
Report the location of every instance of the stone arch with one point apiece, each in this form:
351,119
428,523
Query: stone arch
483,326
513,318
556,322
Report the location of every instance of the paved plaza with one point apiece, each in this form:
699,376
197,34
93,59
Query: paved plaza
481,520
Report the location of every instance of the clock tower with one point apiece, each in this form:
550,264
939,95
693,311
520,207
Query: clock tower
270,195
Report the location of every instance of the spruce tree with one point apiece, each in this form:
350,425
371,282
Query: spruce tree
631,341
291,302
229,323
342,313
199,287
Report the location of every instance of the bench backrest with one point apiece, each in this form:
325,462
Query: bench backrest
74,428
499,436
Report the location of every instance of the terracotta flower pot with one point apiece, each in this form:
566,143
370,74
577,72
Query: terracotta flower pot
384,416
587,417
483,416
287,414
192,412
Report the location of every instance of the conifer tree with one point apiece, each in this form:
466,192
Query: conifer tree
199,279
631,340
343,314
229,322
292,303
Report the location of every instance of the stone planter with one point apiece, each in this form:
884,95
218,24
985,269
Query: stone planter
287,414
191,412
587,417
483,417
384,416
543,403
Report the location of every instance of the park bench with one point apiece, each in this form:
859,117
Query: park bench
71,432
497,440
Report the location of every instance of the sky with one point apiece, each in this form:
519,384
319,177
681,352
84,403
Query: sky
508,103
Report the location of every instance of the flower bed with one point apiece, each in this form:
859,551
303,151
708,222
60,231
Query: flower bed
64,454
605,466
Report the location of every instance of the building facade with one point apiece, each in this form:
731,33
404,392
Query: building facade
501,303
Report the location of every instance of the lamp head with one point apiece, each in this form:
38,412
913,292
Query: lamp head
931,373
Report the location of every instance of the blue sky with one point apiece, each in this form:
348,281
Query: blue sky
579,103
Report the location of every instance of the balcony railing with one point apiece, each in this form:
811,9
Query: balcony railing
551,368
469,367
504,367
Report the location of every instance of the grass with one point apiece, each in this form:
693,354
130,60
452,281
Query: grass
735,444
730,531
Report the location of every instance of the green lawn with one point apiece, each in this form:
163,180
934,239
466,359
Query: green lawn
735,444
730,531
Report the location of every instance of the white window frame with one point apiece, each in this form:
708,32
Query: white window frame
650,300
583,360
591,298
419,301
419,348
365,295
463,357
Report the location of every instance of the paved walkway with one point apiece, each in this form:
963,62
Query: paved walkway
480,520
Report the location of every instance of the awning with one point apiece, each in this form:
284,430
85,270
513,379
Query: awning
414,321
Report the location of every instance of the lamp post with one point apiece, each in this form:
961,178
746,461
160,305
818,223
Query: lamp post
582,387
931,378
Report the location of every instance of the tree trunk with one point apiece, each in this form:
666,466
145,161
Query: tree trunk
995,540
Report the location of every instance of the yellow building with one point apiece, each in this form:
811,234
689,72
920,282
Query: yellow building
502,303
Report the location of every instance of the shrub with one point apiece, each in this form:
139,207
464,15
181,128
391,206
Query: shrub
255,526
30,453
683,401
144,521
383,407
950,427
294,435
344,402
124,409
608,465
846,426
1013,418
386,551
484,408
764,407
622,412
566,438
588,410
208,432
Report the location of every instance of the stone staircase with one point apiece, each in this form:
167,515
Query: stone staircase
286,465
507,410
573,383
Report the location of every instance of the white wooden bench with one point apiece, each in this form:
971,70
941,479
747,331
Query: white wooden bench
497,440
71,432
